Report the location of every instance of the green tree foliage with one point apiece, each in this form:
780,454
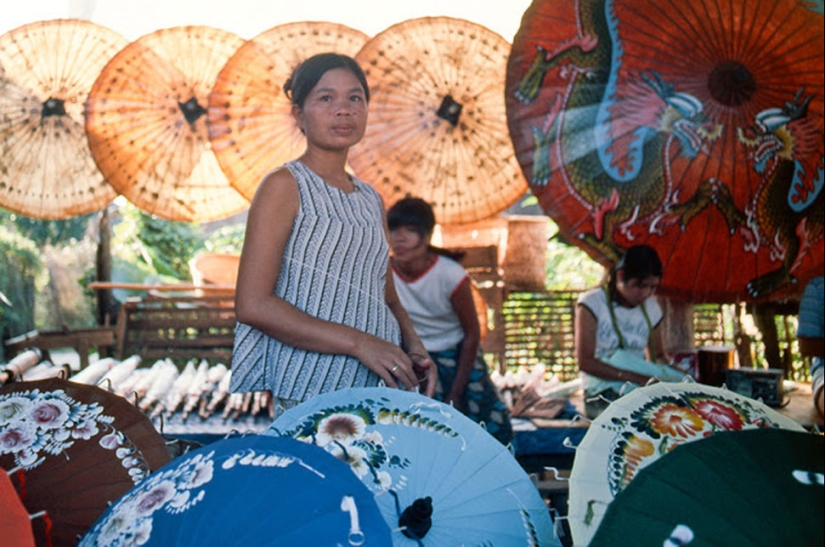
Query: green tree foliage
164,247
226,239
48,232
21,273
568,267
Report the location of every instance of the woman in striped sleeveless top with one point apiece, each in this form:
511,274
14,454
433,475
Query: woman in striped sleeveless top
315,301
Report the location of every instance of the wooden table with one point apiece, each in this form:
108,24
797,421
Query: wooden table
541,444
800,407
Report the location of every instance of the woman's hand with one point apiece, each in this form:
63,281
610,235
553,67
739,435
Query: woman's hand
456,399
387,360
426,373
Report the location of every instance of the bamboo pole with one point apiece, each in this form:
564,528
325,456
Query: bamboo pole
105,286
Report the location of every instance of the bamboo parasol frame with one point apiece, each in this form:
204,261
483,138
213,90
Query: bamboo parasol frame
47,69
146,124
250,122
438,124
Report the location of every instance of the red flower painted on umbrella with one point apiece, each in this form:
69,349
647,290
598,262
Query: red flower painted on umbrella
720,415
676,421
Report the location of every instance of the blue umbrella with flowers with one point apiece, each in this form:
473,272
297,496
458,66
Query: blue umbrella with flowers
438,477
252,490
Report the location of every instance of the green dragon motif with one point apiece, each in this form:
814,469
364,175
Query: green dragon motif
612,154
787,212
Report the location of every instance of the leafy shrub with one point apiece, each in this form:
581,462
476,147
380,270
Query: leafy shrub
21,276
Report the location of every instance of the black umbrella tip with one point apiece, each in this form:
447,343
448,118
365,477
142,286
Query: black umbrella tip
416,520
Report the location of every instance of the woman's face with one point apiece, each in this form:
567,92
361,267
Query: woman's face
334,115
636,291
407,244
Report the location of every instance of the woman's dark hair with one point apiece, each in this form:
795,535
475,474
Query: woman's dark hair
638,262
307,74
417,214
412,213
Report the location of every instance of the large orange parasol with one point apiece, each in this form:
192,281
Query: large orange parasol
250,123
46,71
694,126
146,124
438,125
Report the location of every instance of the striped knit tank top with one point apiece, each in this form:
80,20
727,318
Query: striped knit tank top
334,268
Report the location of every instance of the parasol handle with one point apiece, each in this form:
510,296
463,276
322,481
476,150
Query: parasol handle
356,536
416,520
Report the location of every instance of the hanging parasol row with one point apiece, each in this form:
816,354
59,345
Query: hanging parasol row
185,121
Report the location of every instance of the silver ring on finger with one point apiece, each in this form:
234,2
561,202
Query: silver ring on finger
394,368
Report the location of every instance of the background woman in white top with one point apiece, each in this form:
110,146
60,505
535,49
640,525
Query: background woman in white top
316,306
436,292
623,313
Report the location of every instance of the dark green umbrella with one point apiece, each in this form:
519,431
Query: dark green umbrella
751,487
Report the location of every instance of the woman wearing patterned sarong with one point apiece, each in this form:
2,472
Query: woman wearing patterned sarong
435,290
316,305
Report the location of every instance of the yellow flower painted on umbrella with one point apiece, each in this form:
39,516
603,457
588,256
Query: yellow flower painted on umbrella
676,421
627,456
637,450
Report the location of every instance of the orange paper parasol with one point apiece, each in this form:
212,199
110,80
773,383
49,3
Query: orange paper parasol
692,126
438,128
15,522
46,71
250,123
146,125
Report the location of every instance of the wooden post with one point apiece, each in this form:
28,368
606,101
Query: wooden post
106,306
678,325
764,318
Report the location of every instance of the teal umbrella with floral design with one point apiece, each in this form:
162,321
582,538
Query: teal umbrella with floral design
438,477
75,449
643,426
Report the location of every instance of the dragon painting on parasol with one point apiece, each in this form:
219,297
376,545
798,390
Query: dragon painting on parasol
622,137
787,212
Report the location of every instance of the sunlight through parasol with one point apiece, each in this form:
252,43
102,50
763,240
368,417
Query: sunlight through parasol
249,117
46,71
146,124
694,127
437,127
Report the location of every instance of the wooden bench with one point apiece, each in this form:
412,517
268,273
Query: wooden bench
82,340
177,327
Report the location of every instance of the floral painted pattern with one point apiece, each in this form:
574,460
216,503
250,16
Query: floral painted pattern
345,432
666,421
645,425
635,450
171,491
35,425
405,447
